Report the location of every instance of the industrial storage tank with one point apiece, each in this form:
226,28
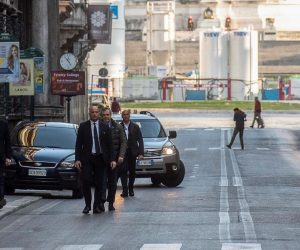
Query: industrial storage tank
243,64
213,62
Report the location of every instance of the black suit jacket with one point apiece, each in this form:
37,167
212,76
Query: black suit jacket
135,142
5,148
84,143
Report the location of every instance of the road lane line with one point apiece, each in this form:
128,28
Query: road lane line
245,214
224,224
241,246
190,149
80,247
161,247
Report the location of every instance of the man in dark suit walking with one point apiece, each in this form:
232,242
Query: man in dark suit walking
5,157
239,118
93,151
135,150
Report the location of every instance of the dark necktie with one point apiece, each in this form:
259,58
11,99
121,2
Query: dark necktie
96,140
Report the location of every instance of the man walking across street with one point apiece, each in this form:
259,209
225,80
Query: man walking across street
135,150
257,114
119,146
115,106
5,157
93,152
239,118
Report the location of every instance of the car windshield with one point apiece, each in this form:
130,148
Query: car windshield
150,128
43,136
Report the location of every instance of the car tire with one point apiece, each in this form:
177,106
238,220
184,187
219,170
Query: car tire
9,190
77,193
156,181
174,181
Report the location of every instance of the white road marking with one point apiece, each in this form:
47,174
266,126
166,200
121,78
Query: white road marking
192,176
12,248
79,247
161,247
196,165
215,148
224,224
241,246
263,148
209,129
190,149
249,230
237,181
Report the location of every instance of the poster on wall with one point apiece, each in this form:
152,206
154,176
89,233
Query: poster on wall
25,84
38,75
9,61
100,23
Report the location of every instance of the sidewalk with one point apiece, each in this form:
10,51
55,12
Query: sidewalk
16,202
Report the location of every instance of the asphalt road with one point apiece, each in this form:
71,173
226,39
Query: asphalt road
229,199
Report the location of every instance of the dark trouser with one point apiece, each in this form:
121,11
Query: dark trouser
241,133
1,181
112,180
128,166
97,172
257,118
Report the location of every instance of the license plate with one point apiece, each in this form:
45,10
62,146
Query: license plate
144,162
37,172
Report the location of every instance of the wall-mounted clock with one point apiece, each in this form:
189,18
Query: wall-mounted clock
68,61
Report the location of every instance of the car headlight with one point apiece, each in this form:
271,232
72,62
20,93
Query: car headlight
168,149
67,163
12,163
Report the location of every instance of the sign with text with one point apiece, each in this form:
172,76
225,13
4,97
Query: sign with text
25,84
100,23
68,83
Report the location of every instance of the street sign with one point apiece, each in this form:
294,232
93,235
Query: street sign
103,72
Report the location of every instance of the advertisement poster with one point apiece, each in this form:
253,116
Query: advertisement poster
9,61
38,75
100,23
25,84
68,83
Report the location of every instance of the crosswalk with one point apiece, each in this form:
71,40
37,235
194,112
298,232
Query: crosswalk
174,246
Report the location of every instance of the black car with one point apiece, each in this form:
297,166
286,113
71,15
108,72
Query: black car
43,158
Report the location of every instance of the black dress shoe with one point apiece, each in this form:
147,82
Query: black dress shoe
86,210
228,146
97,210
111,207
101,207
124,195
131,193
2,203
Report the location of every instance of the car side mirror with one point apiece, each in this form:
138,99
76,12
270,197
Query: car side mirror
172,134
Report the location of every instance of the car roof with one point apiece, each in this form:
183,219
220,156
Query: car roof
136,117
47,124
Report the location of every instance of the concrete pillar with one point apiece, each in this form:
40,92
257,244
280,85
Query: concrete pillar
45,36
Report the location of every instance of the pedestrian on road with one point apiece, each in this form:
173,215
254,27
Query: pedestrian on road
135,150
239,118
5,157
119,146
93,152
257,114
115,106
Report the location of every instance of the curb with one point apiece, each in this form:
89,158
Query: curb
12,206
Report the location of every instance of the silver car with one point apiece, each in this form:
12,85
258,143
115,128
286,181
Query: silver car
161,159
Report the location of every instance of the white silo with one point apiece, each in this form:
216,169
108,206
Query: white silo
213,62
113,55
243,66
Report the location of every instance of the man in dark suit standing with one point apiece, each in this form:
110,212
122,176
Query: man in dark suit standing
5,157
93,151
135,150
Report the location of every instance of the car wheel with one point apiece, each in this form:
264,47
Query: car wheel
9,190
174,181
77,193
155,181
